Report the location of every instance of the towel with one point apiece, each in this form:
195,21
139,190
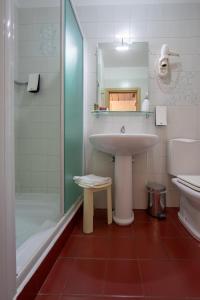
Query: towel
91,180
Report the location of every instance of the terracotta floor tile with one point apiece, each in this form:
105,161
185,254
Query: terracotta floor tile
78,229
189,274
100,214
172,214
156,229
141,215
58,276
168,298
158,259
101,228
183,231
171,278
182,248
103,298
121,231
87,277
150,248
168,229
122,247
146,230
70,297
173,218
48,297
86,246
123,278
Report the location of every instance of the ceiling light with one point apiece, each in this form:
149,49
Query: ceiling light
122,47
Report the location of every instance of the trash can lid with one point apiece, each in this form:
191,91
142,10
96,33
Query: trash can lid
155,187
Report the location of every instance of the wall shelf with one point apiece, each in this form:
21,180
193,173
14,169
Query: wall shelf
99,113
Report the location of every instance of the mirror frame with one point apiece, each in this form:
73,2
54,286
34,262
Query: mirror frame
135,90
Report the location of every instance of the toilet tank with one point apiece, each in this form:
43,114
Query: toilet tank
183,157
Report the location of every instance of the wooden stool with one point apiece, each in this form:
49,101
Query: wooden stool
88,205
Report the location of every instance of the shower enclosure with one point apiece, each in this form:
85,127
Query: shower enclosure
48,123
37,125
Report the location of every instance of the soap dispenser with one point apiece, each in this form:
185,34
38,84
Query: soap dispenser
145,103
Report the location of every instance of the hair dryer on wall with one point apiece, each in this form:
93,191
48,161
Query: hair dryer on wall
163,63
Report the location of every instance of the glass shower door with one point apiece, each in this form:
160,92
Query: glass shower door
37,123
73,103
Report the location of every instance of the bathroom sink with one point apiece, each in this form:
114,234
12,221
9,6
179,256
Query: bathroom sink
123,144
123,147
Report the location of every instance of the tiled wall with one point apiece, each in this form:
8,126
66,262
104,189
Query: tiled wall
37,116
178,25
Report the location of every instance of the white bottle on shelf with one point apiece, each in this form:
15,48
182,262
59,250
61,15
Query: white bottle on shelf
145,103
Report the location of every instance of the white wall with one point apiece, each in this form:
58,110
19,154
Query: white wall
178,25
37,116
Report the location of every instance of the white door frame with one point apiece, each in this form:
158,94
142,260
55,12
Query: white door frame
7,203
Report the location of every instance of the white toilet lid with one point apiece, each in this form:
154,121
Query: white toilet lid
192,181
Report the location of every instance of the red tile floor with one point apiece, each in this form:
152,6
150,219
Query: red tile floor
149,259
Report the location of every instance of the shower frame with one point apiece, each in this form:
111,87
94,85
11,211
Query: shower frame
10,285
7,187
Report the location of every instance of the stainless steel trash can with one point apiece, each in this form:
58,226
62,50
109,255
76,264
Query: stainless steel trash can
156,200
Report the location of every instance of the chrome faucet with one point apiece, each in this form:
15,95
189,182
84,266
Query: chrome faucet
123,130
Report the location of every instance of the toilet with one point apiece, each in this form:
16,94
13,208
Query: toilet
184,166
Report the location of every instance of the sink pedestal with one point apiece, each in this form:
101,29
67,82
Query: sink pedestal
123,146
123,214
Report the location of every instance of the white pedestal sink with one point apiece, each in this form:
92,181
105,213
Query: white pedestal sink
123,147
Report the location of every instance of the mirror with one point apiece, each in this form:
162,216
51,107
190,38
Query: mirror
122,75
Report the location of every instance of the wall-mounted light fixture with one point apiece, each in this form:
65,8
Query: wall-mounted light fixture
123,46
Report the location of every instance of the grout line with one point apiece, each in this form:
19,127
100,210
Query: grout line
141,277
104,281
129,259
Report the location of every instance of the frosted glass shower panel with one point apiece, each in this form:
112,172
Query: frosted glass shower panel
73,104
37,119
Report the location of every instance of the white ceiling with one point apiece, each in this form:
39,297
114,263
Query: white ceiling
128,2
136,56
